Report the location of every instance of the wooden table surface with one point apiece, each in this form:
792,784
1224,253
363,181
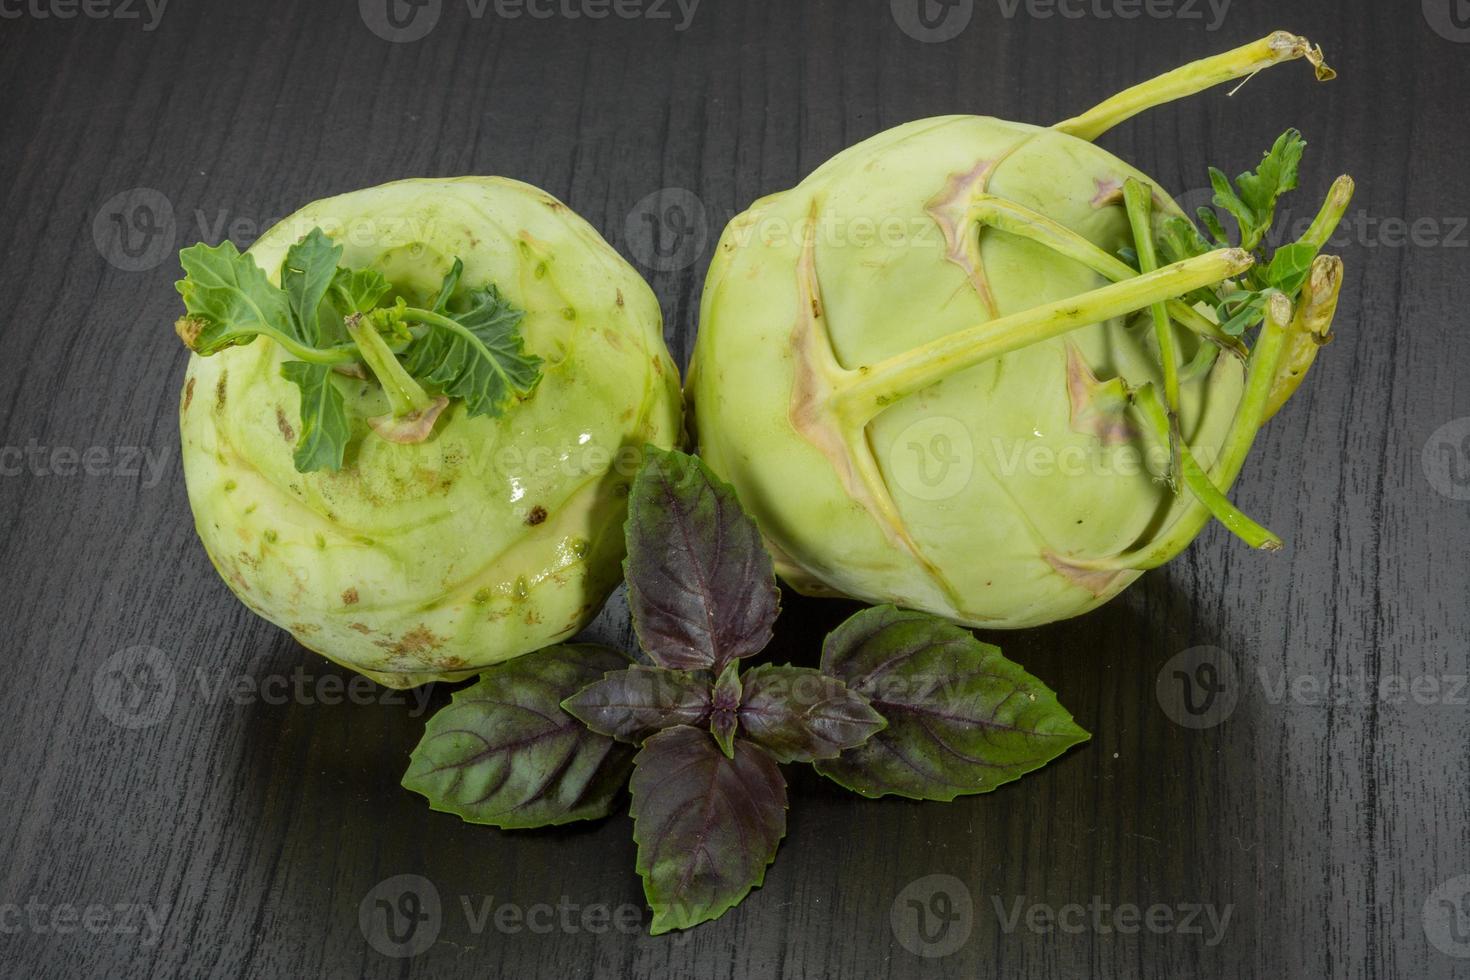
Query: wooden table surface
235,815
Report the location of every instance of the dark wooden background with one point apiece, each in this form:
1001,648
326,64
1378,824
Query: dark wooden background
254,826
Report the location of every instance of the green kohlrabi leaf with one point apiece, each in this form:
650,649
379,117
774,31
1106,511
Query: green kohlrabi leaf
701,587
800,715
1290,267
632,704
1252,201
325,429
358,290
448,287
504,752
706,824
961,718
306,275
475,353
1276,175
229,301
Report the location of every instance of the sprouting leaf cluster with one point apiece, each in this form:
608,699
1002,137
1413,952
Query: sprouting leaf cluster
1251,202
468,346
902,703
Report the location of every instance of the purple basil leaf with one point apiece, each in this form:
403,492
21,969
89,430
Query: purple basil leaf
800,715
706,824
632,704
724,705
504,753
701,587
961,718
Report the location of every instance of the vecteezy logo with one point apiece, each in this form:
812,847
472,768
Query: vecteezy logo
933,916
932,21
1450,19
933,459
667,230
1447,917
1198,688
1447,459
134,688
401,916
134,230
400,21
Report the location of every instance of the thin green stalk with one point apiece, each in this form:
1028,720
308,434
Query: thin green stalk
405,395
1193,78
1138,201
1339,195
997,212
862,394
1249,417
1154,412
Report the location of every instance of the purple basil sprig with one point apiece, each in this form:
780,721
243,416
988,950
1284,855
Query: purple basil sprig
903,704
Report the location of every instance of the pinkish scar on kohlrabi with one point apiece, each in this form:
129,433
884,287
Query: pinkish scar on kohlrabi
989,370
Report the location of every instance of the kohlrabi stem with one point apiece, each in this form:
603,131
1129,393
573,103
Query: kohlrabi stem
861,394
1154,412
1193,78
1311,328
997,212
1333,208
405,395
1249,416
1138,202
330,356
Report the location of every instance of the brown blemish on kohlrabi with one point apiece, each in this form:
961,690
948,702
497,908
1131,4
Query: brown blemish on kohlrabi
188,393
362,628
416,642
536,516
307,628
349,597
284,424
219,391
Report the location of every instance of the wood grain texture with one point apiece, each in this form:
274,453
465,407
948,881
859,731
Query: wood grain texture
258,824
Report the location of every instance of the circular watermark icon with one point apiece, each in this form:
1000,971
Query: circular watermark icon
134,230
1446,459
401,916
1198,687
933,916
400,21
1447,917
932,21
134,688
1450,19
933,459
667,230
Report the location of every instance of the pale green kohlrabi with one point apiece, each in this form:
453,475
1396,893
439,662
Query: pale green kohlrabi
950,370
360,503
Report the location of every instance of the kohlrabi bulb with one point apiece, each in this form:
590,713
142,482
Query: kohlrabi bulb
932,374
446,540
